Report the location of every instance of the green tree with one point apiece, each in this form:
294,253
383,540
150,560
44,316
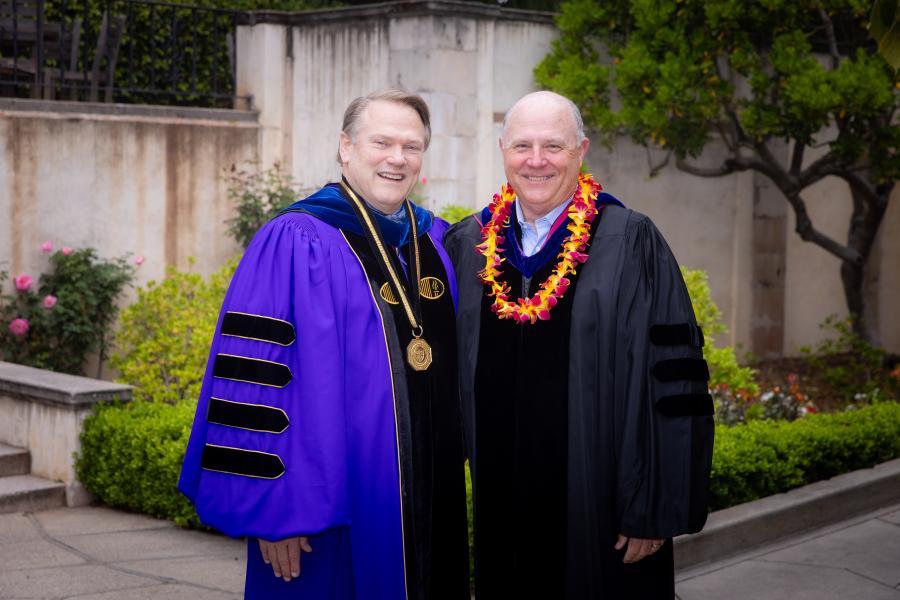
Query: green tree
793,89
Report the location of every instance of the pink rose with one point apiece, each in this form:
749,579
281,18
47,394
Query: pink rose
49,301
66,251
18,327
47,246
424,180
138,260
23,282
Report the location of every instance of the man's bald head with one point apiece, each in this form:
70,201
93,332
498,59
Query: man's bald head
551,101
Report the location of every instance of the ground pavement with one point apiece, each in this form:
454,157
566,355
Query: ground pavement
95,553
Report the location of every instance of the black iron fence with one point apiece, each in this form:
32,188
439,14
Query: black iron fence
134,51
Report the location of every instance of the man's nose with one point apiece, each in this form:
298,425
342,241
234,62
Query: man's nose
395,156
536,155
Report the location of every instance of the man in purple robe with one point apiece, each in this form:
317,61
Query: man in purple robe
328,428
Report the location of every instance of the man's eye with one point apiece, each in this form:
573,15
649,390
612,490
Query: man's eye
413,149
379,143
554,147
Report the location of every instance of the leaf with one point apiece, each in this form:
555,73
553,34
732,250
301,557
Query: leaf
884,27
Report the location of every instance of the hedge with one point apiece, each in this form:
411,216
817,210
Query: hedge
131,454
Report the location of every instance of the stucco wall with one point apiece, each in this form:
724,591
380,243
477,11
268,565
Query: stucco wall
140,181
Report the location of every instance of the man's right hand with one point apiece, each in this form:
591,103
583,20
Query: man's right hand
284,556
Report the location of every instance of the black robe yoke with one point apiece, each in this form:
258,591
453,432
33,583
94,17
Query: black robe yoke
640,426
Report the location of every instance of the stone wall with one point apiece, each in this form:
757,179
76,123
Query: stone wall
123,179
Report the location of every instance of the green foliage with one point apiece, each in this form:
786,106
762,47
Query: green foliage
131,456
685,70
762,458
259,197
170,53
861,376
884,27
723,364
453,213
164,338
60,336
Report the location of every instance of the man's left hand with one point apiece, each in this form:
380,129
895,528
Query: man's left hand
638,548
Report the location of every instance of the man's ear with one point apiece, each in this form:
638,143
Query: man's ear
583,148
344,147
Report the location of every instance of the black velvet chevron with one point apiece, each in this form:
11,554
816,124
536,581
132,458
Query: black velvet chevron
251,370
242,462
256,417
257,327
676,335
685,405
680,369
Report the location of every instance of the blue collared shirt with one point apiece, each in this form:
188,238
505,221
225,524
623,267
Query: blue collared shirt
534,236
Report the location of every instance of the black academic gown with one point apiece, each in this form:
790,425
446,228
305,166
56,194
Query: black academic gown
637,446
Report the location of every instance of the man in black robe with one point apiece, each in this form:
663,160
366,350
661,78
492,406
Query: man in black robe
587,415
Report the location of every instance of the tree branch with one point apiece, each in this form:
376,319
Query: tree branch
821,168
720,171
797,159
655,169
832,40
808,233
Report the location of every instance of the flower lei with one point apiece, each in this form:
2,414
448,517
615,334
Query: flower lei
581,211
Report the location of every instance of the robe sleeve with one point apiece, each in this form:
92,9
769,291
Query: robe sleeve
267,452
664,410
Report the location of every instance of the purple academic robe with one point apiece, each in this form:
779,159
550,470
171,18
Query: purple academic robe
296,428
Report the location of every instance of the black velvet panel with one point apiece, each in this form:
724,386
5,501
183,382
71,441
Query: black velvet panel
686,405
672,335
681,369
251,370
242,462
430,437
255,417
258,327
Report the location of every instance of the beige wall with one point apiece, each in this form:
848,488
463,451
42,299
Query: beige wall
141,181
146,180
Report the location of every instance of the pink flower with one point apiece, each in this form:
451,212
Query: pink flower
66,251
23,282
138,260
49,301
424,180
18,327
47,246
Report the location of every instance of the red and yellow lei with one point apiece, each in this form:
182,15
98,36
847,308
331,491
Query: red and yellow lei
581,211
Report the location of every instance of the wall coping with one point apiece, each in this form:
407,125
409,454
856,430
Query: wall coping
126,110
402,8
58,389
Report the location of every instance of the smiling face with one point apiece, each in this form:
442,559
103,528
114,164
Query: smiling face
542,153
383,157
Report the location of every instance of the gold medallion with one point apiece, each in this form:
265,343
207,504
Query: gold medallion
418,354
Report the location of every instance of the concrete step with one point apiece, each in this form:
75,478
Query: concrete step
14,461
19,493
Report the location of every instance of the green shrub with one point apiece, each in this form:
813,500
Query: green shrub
453,213
164,338
131,456
259,196
69,314
723,364
761,458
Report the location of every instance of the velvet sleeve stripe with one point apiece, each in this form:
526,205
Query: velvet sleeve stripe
251,370
258,327
679,334
255,417
237,461
686,405
680,369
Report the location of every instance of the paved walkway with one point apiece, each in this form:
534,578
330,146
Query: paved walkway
855,559
95,553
